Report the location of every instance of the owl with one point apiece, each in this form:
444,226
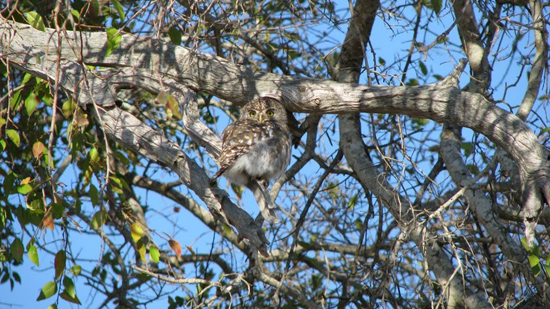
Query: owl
256,147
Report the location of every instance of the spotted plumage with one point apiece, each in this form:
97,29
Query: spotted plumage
256,147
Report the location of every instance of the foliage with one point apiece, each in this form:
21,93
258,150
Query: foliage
124,229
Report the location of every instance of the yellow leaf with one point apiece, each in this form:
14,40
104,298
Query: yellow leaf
142,250
136,229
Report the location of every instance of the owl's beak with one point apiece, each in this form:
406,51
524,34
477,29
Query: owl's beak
261,117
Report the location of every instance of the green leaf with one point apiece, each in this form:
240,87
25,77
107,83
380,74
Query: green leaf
540,133
468,148
9,183
412,82
304,244
36,206
31,103
33,255
113,40
17,250
227,230
534,262
154,253
69,293
118,183
75,13
24,189
93,193
353,201
98,219
525,245
119,9
68,108
76,270
48,290
93,154
14,137
358,224
16,99
5,215
436,6
238,190
423,68
60,263
122,158
35,20
57,210
77,206
26,78
175,35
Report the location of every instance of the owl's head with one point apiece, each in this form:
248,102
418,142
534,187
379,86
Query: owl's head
263,110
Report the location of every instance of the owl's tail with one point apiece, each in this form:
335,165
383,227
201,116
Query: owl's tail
267,207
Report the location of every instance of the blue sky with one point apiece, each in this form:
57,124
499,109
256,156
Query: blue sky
188,231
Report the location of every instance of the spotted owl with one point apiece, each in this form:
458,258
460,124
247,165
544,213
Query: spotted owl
256,147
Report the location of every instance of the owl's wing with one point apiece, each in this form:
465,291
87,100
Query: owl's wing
220,172
230,152
238,138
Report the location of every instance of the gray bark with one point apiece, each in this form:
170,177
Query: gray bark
155,66
158,66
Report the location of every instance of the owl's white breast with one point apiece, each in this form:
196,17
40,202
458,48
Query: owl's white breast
265,160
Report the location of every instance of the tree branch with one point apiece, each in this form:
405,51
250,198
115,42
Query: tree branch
148,63
133,134
154,65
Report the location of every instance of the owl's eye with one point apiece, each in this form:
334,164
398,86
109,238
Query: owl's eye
270,113
252,113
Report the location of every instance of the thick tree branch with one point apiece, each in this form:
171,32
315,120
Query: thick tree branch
352,144
188,203
482,208
540,61
468,29
154,64
146,63
132,133
450,144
